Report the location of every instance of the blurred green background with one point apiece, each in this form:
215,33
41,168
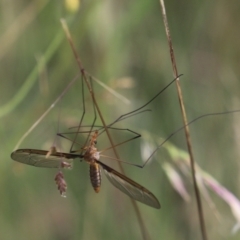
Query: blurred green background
123,44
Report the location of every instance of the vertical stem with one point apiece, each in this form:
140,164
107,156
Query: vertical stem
143,229
187,133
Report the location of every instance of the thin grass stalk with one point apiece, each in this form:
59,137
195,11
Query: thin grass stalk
143,229
186,128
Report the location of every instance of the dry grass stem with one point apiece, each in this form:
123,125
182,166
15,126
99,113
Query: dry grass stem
144,232
186,129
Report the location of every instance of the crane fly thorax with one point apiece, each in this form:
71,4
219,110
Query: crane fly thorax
91,155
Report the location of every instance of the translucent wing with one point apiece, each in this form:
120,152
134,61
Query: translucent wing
41,158
129,187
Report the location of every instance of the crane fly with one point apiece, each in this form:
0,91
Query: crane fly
54,159
90,154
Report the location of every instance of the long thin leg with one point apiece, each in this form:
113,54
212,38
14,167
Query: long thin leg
129,114
137,135
181,128
82,117
94,112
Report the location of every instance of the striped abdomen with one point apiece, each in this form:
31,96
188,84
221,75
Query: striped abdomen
95,176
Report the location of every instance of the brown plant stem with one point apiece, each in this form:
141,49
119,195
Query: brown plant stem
143,229
187,133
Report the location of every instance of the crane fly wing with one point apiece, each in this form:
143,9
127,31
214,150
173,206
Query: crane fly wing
41,158
129,187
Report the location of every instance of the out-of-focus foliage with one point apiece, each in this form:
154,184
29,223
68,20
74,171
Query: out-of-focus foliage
123,44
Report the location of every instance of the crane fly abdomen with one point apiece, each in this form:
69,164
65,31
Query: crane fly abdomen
95,176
